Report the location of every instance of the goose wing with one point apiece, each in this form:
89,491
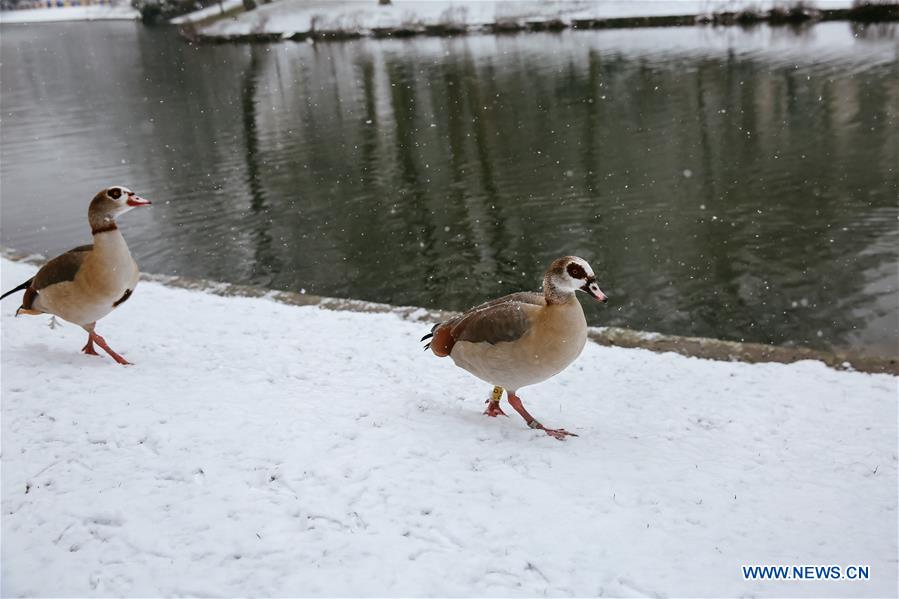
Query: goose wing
62,268
504,319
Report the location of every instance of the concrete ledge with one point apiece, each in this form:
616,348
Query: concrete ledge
698,347
734,351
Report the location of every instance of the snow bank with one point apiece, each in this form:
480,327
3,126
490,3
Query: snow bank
118,12
303,16
212,10
263,449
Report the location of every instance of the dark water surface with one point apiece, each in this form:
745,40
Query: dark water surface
728,183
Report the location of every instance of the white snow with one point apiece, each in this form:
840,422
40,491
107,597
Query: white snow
118,12
302,16
205,13
263,449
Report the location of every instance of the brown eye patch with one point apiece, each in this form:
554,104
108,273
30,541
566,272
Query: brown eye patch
576,271
115,193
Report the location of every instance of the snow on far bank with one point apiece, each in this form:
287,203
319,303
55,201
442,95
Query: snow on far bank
210,11
302,16
119,12
257,448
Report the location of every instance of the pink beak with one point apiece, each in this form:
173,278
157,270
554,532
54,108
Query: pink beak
593,290
136,200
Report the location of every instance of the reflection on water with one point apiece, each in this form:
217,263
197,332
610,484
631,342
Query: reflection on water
727,183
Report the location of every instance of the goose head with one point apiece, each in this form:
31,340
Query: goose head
568,275
111,203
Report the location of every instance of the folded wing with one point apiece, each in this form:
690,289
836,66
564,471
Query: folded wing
62,268
504,319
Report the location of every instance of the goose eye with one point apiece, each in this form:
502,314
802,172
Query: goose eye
576,271
115,193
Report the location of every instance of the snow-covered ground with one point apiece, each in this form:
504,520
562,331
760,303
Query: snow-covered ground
118,12
303,16
257,448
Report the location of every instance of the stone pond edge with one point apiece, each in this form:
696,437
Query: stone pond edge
697,347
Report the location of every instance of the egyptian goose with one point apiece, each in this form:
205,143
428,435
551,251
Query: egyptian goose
87,283
523,338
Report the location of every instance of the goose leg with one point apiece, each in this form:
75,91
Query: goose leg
89,347
556,433
493,410
102,343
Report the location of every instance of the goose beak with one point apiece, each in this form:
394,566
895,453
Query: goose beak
136,200
593,290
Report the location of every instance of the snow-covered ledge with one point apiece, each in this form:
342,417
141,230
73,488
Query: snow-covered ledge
326,19
699,347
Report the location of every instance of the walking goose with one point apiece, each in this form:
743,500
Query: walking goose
523,338
90,281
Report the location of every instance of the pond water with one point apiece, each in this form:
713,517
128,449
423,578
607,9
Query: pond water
729,183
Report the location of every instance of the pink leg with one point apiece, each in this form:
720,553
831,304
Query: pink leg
556,433
102,343
89,347
493,410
